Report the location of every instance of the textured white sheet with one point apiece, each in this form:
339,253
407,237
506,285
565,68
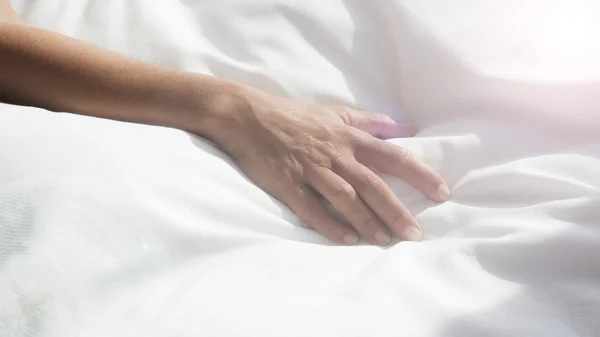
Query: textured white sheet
113,229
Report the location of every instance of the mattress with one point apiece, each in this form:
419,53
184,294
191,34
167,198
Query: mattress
116,229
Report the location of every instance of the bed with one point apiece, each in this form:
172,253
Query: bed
116,229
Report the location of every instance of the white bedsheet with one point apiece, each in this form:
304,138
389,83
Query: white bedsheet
114,229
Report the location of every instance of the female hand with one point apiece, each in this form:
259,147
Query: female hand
294,151
298,152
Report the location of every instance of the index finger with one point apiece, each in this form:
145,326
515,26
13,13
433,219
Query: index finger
391,159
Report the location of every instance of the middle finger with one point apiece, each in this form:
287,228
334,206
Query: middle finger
345,200
382,200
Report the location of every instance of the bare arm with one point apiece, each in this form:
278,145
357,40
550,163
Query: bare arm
44,69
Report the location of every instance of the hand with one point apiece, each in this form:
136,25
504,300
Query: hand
298,152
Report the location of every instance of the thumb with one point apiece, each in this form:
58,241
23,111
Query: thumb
375,124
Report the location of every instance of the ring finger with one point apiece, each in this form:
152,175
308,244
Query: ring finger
345,200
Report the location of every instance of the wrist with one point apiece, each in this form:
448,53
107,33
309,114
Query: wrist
219,110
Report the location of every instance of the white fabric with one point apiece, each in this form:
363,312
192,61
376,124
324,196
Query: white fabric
114,229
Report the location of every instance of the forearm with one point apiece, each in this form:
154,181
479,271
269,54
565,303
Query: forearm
48,70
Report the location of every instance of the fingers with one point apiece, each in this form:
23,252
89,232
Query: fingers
391,159
306,204
382,200
346,200
375,124
396,130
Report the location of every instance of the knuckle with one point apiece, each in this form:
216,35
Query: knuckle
344,191
398,218
302,213
341,162
326,226
349,133
371,181
329,231
343,112
378,117
370,224
402,156
317,221
429,177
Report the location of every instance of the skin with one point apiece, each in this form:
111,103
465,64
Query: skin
298,152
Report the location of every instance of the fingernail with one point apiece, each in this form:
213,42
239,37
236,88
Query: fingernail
412,234
350,239
382,238
443,193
